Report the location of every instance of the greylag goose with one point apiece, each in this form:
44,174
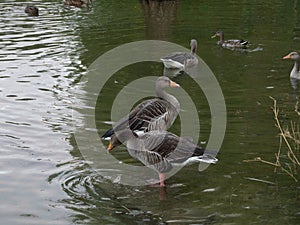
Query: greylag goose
229,43
32,10
181,60
295,73
161,150
152,114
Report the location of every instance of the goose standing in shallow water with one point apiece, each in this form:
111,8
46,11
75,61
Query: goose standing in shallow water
295,73
181,60
229,43
161,150
153,114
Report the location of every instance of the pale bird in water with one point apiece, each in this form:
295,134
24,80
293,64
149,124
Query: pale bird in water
295,73
181,60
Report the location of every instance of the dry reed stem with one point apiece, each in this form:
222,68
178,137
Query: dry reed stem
258,159
284,135
297,107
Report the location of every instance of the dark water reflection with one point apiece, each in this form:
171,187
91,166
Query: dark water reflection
43,177
159,18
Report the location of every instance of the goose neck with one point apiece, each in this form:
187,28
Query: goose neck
221,38
161,93
193,50
295,71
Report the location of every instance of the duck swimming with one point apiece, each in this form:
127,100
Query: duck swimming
295,73
229,43
32,10
161,150
77,3
181,60
152,114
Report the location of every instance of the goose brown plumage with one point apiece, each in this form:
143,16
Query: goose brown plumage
161,150
152,114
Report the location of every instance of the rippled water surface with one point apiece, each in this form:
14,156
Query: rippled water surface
44,179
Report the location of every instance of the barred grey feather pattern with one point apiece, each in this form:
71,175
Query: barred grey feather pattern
153,114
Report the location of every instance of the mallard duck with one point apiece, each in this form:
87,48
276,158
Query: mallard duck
161,150
229,43
152,114
295,73
32,10
181,60
77,3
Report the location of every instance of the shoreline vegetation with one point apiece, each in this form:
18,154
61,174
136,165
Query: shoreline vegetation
287,156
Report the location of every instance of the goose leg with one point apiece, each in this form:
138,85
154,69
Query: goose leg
162,179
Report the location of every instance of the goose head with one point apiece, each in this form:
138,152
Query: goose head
218,34
164,82
293,56
120,137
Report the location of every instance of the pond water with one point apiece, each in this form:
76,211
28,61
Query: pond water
44,179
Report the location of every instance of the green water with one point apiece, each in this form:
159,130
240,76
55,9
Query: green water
44,179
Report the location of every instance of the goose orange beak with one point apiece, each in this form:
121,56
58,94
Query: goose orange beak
287,56
110,147
174,84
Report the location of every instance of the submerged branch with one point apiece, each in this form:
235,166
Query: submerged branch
285,135
258,159
296,108
282,133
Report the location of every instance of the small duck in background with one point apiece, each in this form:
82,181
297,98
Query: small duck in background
295,73
181,60
77,3
32,10
234,43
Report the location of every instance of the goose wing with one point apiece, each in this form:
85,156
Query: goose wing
159,149
151,150
180,57
152,114
151,159
236,43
